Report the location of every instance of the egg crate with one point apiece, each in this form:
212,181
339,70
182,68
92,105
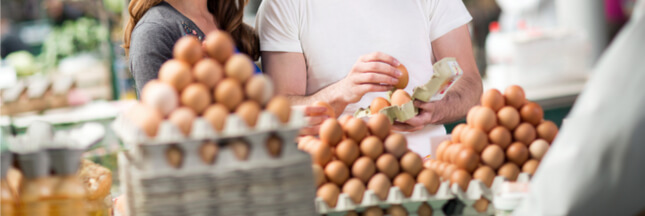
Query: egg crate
395,197
477,189
38,94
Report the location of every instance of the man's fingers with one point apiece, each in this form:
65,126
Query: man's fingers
313,131
398,126
382,57
316,120
427,106
378,67
315,110
365,88
374,78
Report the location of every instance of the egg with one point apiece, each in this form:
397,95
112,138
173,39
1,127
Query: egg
174,156
347,151
430,180
378,104
447,172
475,138
429,163
183,118
161,96
329,193
356,129
378,125
405,182
517,153
441,149
388,165
508,117
411,163
175,73
320,152
493,99
189,49
208,152
363,168
330,110
337,172
500,136
304,141
404,78
196,96
547,130
396,144
514,96
280,107
452,152
259,88
493,156
485,119
373,211
456,132
229,93
400,97
208,72
467,159
355,189
530,166
424,210
344,119
240,149
371,147
219,45
239,67
485,174
216,115
470,116
461,178
380,185
481,205
531,113
441,168
524,133
146,118
509,171
319,175
464,133
249,112
331,132
538,149
274,146
397,210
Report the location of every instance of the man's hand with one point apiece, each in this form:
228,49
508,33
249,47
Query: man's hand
315,116
374,72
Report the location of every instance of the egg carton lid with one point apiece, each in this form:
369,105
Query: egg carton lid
446,73
13,93
393,113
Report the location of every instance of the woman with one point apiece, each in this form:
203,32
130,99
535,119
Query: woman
155,26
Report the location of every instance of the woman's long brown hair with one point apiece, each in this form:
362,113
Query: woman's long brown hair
228,15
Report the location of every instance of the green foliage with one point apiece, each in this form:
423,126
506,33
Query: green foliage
73,37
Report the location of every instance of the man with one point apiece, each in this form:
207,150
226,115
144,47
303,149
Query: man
346,53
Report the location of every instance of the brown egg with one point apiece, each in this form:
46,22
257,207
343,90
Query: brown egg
249,112
183,118
485,119
216,114
476,139
514,96
493,156
434,165
208,72
330,110
319,175
274,146
467,159
146,118
331,132
320,153
188,49
196,96
530,166
219,45
509,171
239,67
456,132
517,153
481,205
329,193
397,210
355,189
396,144
493,99
259,88
347,151
403,79
240,149
441,149
378,125
388,165
344,119
531,113
400,97
485,174
303,142
447,172
441,168
337,172
430,180
428,163
208,152
174,156
356,129
161,96
500,136
175,73
371,147
411,163
373,211
378,104
471,114
508,117
547,130
538,149
363,168
524,133
280,107
424,210
461,178
405,182
452,152
380,184
229,93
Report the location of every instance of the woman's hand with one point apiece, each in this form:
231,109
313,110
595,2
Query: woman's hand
315,115
374,72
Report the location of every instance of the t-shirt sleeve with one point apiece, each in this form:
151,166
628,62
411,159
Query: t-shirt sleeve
150,46
278,23
446,15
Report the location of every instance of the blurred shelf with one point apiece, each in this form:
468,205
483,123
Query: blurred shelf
93,111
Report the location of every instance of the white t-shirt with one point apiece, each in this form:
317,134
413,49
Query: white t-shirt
333,34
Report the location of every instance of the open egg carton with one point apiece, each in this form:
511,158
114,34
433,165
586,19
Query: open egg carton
477,190
395,197
261,184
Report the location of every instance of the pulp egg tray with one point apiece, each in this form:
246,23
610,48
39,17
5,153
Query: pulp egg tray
394,112
477,189
394,197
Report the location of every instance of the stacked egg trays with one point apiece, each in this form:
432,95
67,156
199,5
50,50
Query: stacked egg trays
503,139
363,167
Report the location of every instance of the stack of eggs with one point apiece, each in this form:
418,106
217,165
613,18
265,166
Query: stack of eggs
353,156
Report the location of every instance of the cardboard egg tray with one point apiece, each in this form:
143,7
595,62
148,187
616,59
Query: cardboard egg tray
477,189
394,197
